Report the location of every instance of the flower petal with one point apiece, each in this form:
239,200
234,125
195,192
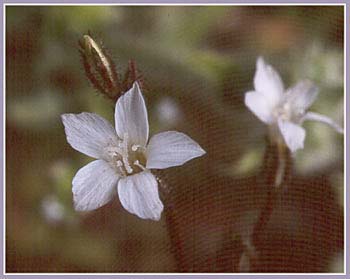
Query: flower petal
94,185
268,82
88,133
324,119
293,134
169,149
131,116
138,194
302,95
258,104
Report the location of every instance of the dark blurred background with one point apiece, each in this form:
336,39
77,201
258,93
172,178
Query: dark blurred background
197,63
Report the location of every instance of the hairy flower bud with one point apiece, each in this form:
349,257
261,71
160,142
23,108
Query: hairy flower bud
99,68
101,71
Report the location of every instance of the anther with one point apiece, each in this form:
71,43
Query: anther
125,154
135,147
120,167
128,169
137,163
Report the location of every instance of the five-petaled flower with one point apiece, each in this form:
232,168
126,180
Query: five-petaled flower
284,111
124,157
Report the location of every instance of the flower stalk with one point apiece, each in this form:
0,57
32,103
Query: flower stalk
276,175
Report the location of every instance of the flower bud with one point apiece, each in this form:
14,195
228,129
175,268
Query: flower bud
99,68
101,71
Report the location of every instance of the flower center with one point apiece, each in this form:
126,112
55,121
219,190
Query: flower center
287,112
127,158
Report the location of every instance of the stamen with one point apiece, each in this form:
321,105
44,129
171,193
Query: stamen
137,163
125,141
127,166
134,147
120,167
118,151
113,151
125,154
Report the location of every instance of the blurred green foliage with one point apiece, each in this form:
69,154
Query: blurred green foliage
203,60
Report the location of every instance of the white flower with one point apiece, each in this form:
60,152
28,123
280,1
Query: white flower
284,110
124,158
52,209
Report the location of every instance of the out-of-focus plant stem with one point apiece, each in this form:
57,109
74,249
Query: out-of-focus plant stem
275,173
170,221
273,184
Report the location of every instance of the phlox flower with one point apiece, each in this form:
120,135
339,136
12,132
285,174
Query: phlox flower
284,110
124,157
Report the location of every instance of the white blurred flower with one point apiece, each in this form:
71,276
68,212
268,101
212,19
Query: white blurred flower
168,111
52,209
124,158
284,110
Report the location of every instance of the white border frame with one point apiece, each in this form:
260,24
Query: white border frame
4,5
